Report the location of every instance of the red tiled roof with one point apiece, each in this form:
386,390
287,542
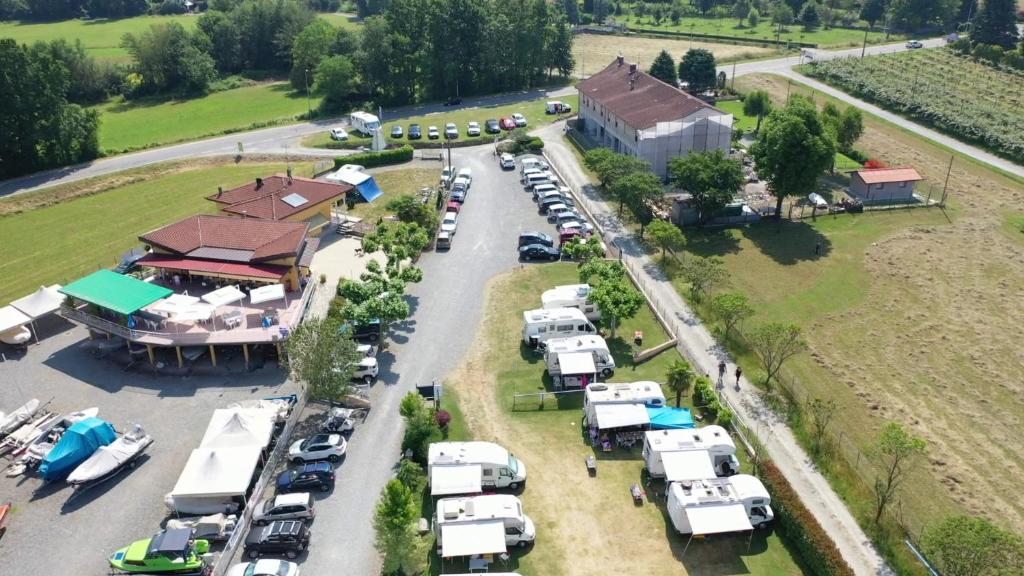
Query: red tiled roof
887,175
265,238
649,102
267,202
209,266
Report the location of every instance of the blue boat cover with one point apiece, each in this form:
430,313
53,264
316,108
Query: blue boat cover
369,190
75,447
667,417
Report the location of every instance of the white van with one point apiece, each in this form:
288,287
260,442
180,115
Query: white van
364,123
527,163
543,178
543,325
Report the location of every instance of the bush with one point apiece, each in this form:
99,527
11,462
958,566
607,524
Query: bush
172,7
857,155
382,158
799,527
706,398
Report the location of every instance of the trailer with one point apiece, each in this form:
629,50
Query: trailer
469,467
687,454
607,406
481,525
719,505
595,345
571,296
542,325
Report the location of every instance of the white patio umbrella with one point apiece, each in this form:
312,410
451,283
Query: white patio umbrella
224,296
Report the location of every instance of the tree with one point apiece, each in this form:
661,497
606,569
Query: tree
698,69
635,187
617,301
774,343
741,9
732,308
914,15
898,452
968,10
664,68
793,150
420,426
168,59
222,35
969,546
584,251
996,24
320,355
597,272
680,377
394,522
333,81
809,17
558,48
753,18
411,475
398,240
850,128
711,178
411,209
703,275
572,11
782,15
822,412
379,295
873,10
757,103
311,46
666,236
610,167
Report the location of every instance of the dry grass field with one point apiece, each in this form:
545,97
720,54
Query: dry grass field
595,51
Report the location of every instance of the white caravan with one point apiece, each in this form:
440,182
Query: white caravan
664,459
719,505
603,360
543,325
630,399
469,467
571,296
481,525
364,122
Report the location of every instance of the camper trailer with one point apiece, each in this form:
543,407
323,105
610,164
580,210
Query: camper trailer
720,505
571,296
621,405
364,123
711,444
603,360
481,525
543,325
469,467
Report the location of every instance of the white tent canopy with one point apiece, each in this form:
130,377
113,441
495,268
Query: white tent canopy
687,465
267,293
456,479
217,472
173,303
621,415
467,539
193,312
718,519
41,302
11,318
239,427
224,296
574,363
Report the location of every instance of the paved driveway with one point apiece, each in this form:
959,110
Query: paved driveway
447,310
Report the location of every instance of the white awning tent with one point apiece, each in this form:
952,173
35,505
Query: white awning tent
577,363
224,296
687,465
718,519
11,318
193,313
456,479
621,415
173,303
45,300
267,293
470,538
217,472
239,427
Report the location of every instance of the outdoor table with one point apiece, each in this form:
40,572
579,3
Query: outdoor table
478,565
591,463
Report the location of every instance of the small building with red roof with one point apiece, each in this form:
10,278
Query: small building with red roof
884,185
284,198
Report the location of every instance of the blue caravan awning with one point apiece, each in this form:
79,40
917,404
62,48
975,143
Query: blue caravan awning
369,190
667,418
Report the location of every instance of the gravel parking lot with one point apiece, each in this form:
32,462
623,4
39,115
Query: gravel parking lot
50,535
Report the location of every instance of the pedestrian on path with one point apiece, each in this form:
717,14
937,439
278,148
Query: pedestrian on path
721,371
739,373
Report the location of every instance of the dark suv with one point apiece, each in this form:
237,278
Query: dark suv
415,132
371,331
528,238
287,537
315,475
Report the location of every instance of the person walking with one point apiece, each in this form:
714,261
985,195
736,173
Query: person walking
721,372
739,373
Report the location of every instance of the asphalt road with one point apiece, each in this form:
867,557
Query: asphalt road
446,312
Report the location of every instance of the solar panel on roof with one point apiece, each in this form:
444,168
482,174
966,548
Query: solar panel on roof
294,200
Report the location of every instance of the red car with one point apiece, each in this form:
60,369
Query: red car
453,206
507,123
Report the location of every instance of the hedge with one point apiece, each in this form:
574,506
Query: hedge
706,398
382,158
800,528
713,37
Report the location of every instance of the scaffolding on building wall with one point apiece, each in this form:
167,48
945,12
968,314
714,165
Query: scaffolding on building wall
667,140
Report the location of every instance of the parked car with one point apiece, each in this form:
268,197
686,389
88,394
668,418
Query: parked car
366,370
339,134
915,44
453,206
447,175
584,227
396,131
557,107
466,173
519,119
370,331
295,506
508,161
569,235
286,537
548,201
453,101
458,195
566,216
491,126
265,568
461,182
539,252
507,123
450,222
444,241
527,238
329,447
473,129
557,209
312,476
433,133
415,133
451,131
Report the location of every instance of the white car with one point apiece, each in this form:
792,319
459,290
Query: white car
473,129
915,44
366,370
451,131
447,175
433,133
461,183
265,568
519,119
294,506
508,161
465,173
318,447
339,134
450,222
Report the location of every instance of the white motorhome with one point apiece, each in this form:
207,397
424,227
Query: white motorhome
571,296
364,123
603,360
543,325
711,445
719,505
621,405
469,467
481,525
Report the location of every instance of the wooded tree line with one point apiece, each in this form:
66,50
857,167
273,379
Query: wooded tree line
49,10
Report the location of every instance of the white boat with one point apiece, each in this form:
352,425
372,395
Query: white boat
16,336
14,420
50,434
109,460
20,438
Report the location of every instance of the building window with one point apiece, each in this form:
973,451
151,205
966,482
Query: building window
903,184
879,186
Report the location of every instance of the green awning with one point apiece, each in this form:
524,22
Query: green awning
116,292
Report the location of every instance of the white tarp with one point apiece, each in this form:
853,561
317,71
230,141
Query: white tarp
718,519
687,465
41,302
266,293
193,313
469,538
574,363
224,296
350,177
234,427
109,458
173,303
456,479
217,472
11,318
621,415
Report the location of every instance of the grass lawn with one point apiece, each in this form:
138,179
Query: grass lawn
585,525
395,183
145,123
740,120
595,51
533,110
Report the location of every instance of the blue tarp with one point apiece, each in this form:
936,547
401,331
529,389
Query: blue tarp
369,190
667,417
75,447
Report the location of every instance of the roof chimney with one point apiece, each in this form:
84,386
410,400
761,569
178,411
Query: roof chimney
621,60
220,190
259,183
289,175
632,68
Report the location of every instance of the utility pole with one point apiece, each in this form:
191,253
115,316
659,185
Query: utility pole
733,76
309,107
946,184
864,48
